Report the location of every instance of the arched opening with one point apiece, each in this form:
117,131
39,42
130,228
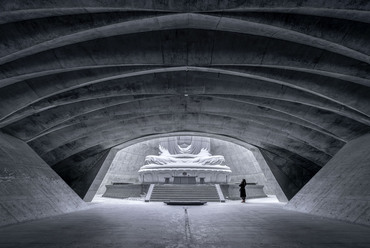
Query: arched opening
244,160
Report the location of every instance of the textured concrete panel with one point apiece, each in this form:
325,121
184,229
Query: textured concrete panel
242,163
126,190
80,178
99,177
289,177
127,163
341,189
272,182
29,188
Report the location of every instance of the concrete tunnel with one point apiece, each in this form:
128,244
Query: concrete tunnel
81,79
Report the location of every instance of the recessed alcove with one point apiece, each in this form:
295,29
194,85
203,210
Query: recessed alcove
245,162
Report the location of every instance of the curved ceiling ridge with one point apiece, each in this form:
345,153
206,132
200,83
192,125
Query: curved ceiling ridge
344,14
32,112
31,14
342,10
296,132
113,132
356,112
95,109
119,144
13,79
188,21
56,123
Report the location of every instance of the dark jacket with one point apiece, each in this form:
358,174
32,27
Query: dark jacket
242,189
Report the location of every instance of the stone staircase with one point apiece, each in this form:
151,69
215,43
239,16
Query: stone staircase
185,193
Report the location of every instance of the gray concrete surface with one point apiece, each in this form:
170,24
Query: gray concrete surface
270,177
99,176
125,190
120,223
29,188
340,190
127,163
243,164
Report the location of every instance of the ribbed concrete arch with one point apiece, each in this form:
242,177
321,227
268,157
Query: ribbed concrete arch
114,70
148,108
18,10
70,144
80,77
98,107
295,132
331,93
188,21
335,107
335,59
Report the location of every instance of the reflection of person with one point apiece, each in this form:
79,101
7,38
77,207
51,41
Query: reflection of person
242,190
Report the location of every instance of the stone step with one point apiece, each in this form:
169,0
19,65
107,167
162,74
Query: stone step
184,193
195,194
159,190
192,191
166,200
186,190
185,198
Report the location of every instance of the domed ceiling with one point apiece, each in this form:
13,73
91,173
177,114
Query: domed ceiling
288,77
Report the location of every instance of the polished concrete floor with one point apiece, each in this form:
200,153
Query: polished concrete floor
123,223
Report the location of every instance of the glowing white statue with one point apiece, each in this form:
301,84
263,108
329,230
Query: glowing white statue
192,160
202,158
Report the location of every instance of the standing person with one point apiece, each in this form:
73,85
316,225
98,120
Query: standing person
242,190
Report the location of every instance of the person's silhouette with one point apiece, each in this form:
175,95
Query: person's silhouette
242,190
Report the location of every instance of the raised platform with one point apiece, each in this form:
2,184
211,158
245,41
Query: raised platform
163,173
230,191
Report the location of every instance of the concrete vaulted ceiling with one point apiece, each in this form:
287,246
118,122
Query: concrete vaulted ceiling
80,77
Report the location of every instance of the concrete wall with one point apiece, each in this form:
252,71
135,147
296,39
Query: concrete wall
341,189
127,162
232,192
272,183
94,187
80,173
29,188
282,176
242,163
126,190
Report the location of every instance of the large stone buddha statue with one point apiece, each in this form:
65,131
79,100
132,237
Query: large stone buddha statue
187,159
